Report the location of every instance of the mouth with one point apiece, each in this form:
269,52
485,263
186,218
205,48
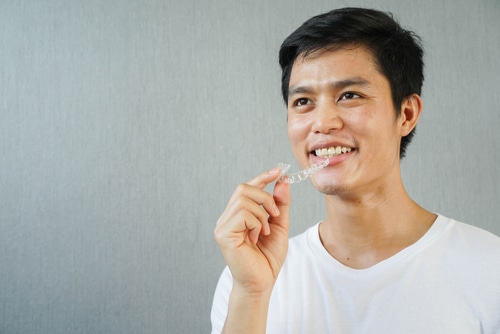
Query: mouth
333,151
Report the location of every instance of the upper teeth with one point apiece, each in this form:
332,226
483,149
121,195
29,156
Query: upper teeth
331,151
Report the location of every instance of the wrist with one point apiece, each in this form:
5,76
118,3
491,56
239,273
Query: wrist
253,294
247,311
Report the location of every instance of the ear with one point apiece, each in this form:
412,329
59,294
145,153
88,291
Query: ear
411,108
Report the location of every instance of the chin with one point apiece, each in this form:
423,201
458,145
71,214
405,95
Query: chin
330,187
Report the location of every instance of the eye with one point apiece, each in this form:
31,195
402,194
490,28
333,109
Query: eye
349,96
301,102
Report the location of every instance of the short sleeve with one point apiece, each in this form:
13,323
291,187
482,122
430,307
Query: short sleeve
220,301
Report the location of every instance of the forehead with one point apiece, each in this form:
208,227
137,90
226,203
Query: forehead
349,60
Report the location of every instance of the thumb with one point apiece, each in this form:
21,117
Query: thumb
281,196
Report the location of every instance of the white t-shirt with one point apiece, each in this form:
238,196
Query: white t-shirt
446,282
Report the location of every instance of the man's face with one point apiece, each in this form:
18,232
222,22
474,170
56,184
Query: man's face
340,106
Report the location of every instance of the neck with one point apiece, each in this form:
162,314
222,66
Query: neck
364,230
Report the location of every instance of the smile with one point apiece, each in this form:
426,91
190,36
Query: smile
331,151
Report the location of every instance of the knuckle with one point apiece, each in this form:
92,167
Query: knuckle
217,234
241,188
246,215
218,228
269,199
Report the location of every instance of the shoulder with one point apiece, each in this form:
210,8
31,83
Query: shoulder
303,244
469,237
473,252
470,265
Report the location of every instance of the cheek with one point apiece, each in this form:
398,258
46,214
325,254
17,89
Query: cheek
297,130
381,136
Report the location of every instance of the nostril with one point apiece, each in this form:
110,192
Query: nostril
327,123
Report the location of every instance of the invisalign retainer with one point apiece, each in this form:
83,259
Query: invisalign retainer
302,175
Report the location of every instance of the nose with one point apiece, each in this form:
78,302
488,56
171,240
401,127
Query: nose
326,118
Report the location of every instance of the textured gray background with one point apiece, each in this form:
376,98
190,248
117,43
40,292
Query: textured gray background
125,126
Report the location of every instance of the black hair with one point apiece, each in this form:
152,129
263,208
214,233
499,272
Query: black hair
397,52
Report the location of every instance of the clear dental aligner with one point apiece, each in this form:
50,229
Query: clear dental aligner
302,175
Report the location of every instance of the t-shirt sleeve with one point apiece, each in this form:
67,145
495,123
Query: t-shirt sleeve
220,301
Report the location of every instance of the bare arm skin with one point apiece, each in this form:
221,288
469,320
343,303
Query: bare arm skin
252,234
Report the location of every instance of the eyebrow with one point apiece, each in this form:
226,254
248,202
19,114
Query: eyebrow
355,81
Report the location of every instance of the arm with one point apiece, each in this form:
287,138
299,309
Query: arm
252,234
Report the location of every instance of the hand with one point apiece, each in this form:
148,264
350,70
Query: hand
252,233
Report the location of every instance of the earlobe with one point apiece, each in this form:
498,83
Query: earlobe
411,108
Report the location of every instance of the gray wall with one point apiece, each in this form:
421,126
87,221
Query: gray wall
125,125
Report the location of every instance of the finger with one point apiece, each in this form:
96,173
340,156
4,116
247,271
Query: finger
251,198
257,195
254,227
281,196
251,207
235,231
263,179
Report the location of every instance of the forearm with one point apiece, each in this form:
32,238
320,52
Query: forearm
247,313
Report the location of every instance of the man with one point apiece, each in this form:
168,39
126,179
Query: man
378,262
